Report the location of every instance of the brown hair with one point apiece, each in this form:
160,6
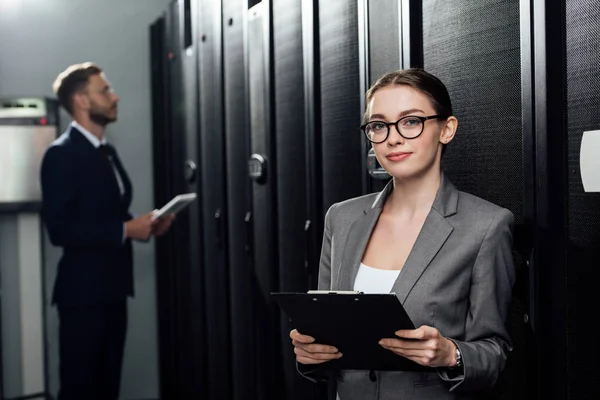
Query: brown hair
72,80
418,79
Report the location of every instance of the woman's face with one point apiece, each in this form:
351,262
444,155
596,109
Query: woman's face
406,158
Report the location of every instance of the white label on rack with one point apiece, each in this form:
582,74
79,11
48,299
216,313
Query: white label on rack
589,161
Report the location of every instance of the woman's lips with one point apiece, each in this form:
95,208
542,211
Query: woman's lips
398,156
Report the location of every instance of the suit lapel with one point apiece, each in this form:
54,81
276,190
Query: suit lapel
94,154
356,244
433,235
81,141
357,240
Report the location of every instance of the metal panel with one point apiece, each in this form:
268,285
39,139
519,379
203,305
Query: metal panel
239,203
10,334
161,145
23,354
193,270
379,41
411,42
212,190
178,237
37,111
312,118
264,212
384,38
294,216
548,260
583,251
27,127
343,157
21,152
173,256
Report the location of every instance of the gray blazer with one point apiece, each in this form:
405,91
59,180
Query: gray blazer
458,278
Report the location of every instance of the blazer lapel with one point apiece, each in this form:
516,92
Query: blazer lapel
356,244
357,240
108,172
432,237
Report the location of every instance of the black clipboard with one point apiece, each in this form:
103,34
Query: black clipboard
354,323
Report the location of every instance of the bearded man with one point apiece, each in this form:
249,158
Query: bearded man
86,198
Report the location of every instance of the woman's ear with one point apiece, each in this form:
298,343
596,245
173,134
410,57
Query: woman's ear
448,130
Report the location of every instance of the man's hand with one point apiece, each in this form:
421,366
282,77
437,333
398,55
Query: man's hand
425,346
139,228
161,226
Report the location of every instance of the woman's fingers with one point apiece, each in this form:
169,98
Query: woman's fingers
295,335
305,357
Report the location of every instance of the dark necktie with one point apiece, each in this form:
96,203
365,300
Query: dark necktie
108,153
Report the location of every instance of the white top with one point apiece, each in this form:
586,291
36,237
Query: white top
96,143
375,280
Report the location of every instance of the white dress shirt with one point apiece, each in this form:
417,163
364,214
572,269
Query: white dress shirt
97,143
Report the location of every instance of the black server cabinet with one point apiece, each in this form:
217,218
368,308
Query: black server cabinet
342,147
583,200
295,135
383,36
474,47
244,373
313,226
161,142
262,168
189,166
546,96
213,193
380,44
180,350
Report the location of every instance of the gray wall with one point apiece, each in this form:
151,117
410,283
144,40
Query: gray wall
39,38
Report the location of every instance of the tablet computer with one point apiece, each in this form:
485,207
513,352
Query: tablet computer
354,323
177,204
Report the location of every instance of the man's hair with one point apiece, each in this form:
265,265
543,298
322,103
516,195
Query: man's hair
72,80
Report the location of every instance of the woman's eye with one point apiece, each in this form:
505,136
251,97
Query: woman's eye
411,122
377,126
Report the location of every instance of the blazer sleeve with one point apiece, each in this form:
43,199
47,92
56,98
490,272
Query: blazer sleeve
59,202
321,372
487,342
326,249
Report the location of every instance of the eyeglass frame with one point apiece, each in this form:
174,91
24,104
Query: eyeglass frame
388,124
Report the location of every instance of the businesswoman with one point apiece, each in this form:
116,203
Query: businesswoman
446,254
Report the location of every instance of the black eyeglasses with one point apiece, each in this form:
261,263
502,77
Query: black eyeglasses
409,127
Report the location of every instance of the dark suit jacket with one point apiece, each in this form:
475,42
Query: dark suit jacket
458,278
84,213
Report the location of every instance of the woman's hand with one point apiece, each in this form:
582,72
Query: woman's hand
425,346
308,352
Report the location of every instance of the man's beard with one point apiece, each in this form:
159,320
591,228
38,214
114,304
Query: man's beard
100,118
